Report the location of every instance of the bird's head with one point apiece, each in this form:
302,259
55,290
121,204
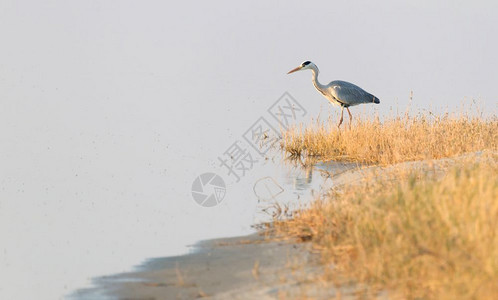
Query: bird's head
304,66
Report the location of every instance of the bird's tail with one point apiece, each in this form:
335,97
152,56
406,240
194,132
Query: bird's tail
376,100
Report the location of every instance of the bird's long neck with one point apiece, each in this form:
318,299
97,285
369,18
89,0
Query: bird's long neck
320,87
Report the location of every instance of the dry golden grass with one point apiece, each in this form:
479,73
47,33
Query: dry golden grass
420,237
396,139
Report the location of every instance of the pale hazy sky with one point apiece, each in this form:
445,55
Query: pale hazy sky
109,109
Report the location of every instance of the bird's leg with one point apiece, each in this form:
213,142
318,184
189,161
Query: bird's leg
342,115
350,117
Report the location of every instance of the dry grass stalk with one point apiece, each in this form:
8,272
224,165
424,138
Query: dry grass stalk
396,139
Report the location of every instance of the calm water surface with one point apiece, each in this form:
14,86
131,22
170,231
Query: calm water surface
274,183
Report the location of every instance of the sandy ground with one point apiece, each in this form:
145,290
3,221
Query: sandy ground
249,267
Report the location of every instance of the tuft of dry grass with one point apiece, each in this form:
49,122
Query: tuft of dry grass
395,139
419,237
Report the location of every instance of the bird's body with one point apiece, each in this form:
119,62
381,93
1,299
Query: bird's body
342,93
346,94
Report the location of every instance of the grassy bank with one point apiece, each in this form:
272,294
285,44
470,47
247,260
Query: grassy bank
416,232
418,237
396,139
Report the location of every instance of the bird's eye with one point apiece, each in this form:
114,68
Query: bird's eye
306,63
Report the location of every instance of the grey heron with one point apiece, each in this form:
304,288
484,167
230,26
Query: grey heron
342,93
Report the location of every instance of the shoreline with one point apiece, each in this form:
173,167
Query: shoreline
246,267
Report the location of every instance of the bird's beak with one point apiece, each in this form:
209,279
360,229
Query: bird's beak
294,70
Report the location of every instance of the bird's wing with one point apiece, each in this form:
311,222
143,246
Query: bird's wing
349,94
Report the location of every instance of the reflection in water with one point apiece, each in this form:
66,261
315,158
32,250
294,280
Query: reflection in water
302,170
278,197
303,182
301,175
